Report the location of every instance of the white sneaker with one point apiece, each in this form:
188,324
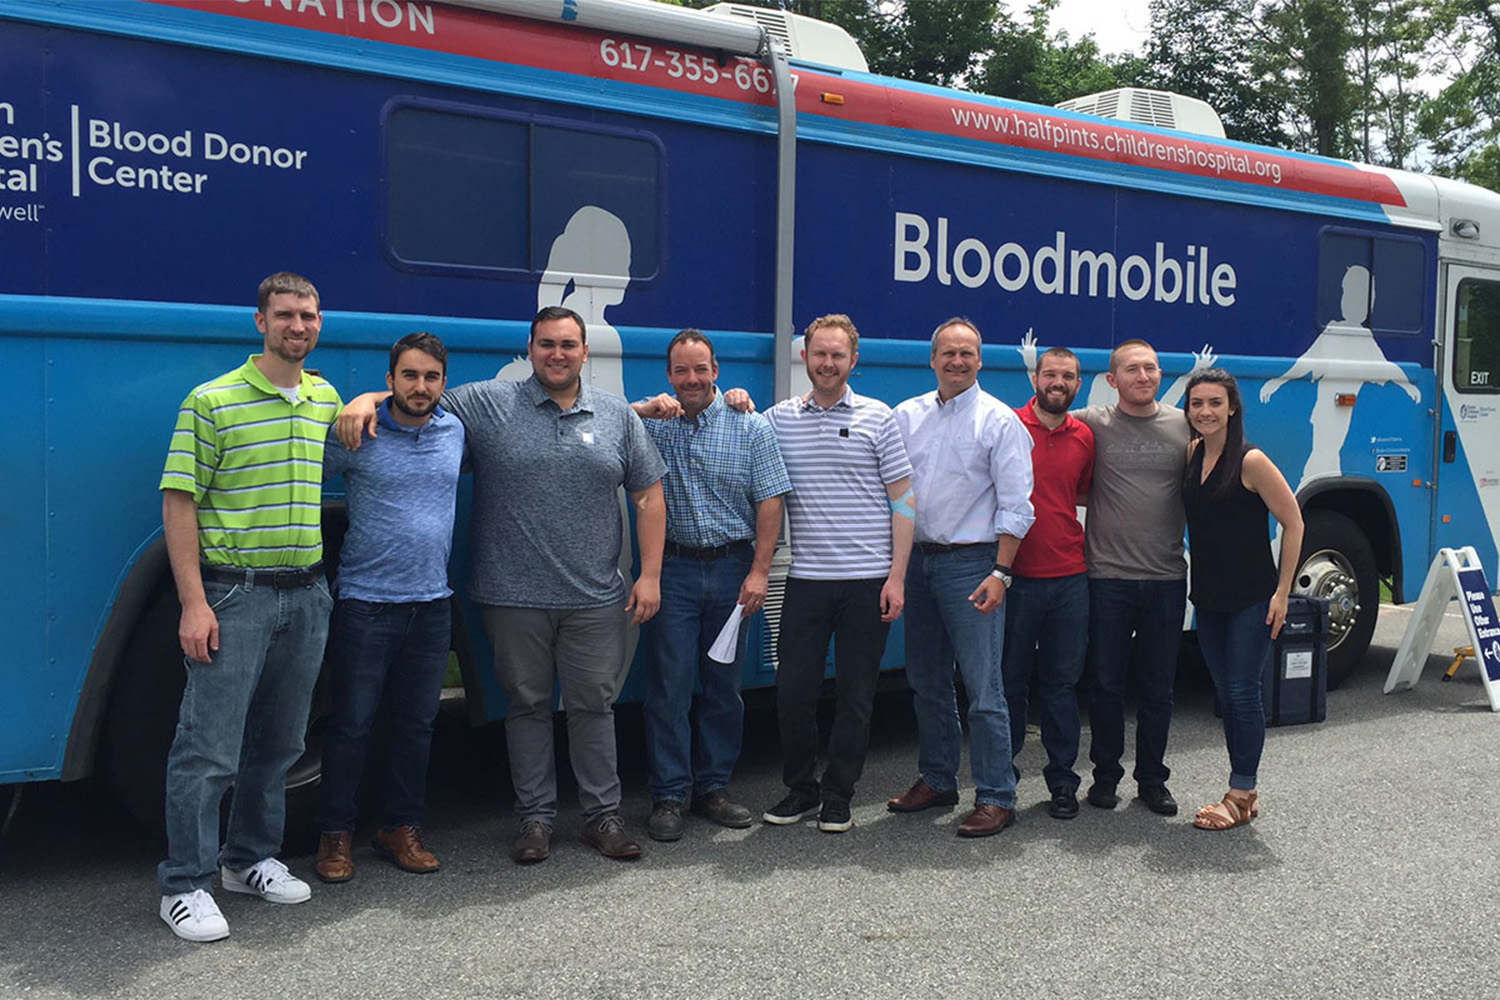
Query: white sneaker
268,879
194,916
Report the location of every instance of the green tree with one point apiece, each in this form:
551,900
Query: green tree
1029,64
1212,50
1308,43
1462,121
1391,54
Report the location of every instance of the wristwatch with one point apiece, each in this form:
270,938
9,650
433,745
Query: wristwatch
1001,572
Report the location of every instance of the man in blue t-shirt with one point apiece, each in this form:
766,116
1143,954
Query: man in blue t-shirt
390,627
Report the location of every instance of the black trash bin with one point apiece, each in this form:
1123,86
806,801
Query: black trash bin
1295,687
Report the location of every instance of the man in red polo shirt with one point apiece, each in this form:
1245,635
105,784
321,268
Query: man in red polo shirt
1047,605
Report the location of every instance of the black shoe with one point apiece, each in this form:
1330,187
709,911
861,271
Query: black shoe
835,817
666,820
1064,804
1102,796
1158,799
722,810
796,807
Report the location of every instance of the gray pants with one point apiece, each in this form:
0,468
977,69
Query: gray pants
584,651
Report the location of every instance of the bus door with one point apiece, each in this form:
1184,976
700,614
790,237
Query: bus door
1468,453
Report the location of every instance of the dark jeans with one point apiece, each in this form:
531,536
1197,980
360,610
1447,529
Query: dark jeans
1151,611
848,611
1046,631
1236,647
697,598
401,651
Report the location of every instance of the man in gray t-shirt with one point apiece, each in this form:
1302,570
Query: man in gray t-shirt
1137,574
549,456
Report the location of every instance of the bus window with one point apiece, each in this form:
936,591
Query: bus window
1476,337
1397,268
457,190
477,191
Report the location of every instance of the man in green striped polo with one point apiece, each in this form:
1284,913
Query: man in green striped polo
241,508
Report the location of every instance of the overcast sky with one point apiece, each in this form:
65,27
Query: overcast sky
1117,25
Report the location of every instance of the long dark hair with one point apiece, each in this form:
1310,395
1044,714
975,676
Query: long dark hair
1235,447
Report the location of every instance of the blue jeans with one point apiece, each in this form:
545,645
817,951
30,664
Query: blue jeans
242,721
697,598
1237,646
399,650
1046,630
1152,611
941,626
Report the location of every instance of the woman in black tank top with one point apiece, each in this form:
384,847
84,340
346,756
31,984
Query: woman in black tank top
1239,596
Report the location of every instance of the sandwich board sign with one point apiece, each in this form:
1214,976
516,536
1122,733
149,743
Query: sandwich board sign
1455,573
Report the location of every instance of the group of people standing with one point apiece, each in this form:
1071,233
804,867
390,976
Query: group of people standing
951,509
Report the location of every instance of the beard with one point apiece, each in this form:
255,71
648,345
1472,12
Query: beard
1055,404
420,408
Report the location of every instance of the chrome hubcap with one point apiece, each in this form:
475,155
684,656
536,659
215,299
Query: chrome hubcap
1328,575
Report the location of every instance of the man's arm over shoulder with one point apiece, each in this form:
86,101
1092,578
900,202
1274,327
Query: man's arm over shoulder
643,462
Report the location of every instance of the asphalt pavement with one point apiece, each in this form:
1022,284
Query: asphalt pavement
1370,873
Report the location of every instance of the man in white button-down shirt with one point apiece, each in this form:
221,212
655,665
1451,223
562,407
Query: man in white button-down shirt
971,469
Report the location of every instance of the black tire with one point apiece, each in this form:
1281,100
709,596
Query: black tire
1338,565
142,718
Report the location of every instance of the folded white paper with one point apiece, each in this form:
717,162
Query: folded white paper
723,649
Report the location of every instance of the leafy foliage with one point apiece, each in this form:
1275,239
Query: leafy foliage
1412,84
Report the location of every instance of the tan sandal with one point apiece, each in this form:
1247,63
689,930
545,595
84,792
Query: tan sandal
1234,810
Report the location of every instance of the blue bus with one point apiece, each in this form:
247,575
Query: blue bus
453,166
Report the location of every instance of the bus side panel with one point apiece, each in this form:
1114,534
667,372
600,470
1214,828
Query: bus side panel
317,181
874,223
33,705
905,243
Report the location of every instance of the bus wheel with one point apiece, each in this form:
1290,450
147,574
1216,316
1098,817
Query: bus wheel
142,719
1338,565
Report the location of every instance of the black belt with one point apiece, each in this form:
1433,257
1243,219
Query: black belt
937,548
283,578
707,555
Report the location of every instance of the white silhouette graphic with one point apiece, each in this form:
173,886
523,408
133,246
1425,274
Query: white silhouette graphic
1341,360
1101,393
588,270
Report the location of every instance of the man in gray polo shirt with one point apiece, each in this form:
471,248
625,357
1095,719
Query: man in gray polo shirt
549,455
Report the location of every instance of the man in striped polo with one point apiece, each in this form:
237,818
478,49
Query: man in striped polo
241,508
852,517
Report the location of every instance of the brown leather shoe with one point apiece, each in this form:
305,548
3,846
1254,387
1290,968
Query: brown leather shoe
533,845
335,863
921,796
403,847
607,833
986,820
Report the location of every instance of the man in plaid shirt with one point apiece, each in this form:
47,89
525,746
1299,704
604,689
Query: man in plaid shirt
724,483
